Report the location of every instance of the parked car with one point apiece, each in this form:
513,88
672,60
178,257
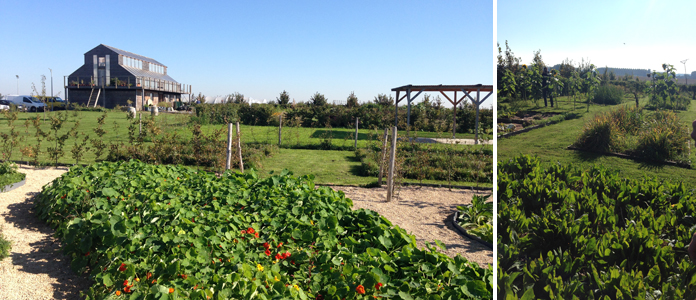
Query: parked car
54,103
31,103
4,105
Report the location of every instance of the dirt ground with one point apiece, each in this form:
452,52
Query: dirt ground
37,269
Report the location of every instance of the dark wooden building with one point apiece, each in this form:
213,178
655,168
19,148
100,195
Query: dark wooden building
112,76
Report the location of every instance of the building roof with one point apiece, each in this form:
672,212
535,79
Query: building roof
444,88
143,73
132,55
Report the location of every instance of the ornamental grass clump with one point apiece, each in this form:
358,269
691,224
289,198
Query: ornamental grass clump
160,231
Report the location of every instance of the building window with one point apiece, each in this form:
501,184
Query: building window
102,62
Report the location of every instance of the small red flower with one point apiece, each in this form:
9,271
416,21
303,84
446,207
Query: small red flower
87,253
127,289
250,230
122,267
244,231
280,245
193,220
184,276
256,235
378,285
125,282
149,275
360,289
266,245
268,252
278,256
171,290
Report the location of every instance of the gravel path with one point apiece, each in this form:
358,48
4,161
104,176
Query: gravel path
425,212
37,269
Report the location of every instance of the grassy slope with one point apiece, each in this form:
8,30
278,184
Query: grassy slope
549,143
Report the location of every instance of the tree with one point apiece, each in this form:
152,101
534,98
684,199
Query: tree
383,99
352,100
318,99
200,97
284,98
238,98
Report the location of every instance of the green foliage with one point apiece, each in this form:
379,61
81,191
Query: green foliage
5,246
352,100
318,99
145,230
461,164
284,98
384,100
608,94
9,175
664,88
477,218
657,136
566,233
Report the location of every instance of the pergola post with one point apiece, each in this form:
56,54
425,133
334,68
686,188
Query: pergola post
478,91
396,109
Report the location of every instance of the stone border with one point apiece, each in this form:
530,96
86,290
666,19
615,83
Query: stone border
13,186
626,156
463,232
528,129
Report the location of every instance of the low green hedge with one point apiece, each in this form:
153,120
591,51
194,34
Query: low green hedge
9,175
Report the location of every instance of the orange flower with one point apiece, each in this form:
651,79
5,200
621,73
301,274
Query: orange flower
171,290
149,275
184,276
250,230
360,289
256,235
118,293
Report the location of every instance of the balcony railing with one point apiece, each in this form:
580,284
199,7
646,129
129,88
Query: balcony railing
129,82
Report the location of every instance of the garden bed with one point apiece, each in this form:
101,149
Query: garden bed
298,242
10,179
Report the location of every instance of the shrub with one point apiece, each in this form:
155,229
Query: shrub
608,94
5,246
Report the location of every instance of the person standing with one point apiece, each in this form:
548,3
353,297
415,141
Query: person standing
545,89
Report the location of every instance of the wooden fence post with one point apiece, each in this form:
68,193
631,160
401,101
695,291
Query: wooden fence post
228,165
280,130
355,145
382,158
239,149
140,132
390,179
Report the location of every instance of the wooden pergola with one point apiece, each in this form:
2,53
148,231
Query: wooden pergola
465,89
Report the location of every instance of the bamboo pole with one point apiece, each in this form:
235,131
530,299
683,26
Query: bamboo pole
390,179
382,157
239,149
229,146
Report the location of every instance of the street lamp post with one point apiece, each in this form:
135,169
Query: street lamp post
685,76
17,84
52,87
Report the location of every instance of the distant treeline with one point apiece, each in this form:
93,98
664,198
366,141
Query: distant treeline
618,71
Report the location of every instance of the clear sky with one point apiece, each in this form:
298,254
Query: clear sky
624,34
258,48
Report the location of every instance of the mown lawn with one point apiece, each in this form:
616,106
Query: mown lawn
549,144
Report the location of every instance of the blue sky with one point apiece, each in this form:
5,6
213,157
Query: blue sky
258,48
625,34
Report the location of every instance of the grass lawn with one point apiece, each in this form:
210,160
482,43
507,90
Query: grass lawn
549,144
336,167
331,167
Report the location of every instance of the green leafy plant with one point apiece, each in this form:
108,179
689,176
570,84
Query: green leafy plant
158,231
477,217
9,175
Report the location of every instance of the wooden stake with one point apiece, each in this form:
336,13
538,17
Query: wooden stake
239,149
355,145
384,153
229,146
280,129
390,179
141,124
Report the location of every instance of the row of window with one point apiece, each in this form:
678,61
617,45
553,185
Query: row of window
156,68
132,62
